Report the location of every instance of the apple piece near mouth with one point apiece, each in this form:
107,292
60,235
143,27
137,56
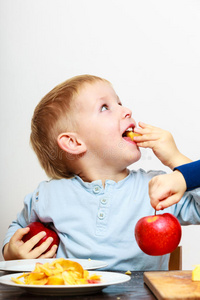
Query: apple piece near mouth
158,234
132,134
37,227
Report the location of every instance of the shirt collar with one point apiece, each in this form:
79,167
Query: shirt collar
98,183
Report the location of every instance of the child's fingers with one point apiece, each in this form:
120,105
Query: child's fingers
50,253
18,235
146,139
143,130
38,251
18,249
143,125
146,144
148,134
146,127
27,250
150,141
34,240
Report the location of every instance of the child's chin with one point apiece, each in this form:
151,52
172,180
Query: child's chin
136,156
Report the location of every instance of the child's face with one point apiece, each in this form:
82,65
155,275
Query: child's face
102,120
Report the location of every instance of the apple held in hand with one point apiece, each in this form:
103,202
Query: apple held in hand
158,234
37,227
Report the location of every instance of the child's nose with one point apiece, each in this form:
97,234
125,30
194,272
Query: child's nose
127,113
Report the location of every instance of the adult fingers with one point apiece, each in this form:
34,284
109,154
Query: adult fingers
168,202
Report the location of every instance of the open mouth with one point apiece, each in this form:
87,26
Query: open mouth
129,133
129,130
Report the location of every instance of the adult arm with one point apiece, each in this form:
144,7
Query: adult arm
191,174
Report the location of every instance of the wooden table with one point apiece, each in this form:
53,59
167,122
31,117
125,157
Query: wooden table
133,289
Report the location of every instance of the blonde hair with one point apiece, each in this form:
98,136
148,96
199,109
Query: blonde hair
52,117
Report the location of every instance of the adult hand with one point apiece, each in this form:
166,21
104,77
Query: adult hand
166,190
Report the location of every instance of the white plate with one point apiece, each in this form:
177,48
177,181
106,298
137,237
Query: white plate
107,278
28,265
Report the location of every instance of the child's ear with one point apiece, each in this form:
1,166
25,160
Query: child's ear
69,142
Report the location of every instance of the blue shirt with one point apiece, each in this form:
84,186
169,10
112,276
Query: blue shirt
191,173
98,223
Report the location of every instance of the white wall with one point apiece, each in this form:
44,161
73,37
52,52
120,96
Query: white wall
149,50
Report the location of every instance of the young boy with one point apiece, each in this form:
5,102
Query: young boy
93,200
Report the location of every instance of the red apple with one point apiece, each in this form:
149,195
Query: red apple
37,227
158,234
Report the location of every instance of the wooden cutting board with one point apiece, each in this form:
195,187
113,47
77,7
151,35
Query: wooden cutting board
172,285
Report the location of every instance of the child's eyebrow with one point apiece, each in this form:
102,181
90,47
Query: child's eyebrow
105,98
119,101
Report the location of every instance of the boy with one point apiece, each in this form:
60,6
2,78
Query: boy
94,201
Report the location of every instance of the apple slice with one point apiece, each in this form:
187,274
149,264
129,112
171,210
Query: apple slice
131,134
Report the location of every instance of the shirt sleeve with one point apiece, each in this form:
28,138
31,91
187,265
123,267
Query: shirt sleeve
187,210
25,217
191,173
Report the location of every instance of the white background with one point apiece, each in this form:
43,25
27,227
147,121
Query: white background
149,50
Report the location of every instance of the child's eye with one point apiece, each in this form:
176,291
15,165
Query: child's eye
104,107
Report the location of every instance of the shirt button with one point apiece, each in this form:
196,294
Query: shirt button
96,189
101,215
104,201
36,198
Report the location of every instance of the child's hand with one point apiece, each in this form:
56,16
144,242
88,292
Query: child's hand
17,249
166,190
162,144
